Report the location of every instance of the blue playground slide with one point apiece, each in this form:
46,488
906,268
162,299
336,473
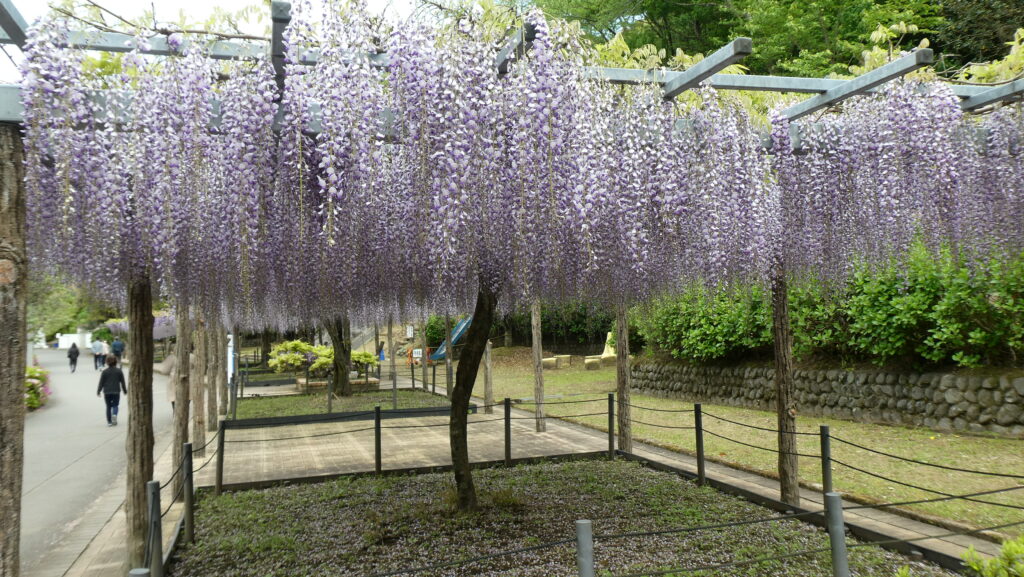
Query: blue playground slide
457,332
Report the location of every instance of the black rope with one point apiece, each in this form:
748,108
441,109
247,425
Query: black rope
602,413
760,447
208,442
927,537
546,402
488,420
148,555
693,568
174,474
203,466
758,428
659,410
916,462
476,559
434,408
710,527
632,420
927,490
444,424
934,500
181,490
299,436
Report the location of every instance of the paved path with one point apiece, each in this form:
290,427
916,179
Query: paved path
74,465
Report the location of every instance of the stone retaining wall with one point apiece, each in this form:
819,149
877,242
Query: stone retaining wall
943,401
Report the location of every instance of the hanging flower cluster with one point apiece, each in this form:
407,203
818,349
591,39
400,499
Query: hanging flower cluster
361,189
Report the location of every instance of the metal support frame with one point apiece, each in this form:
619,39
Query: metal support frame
725,56
518,44
12,23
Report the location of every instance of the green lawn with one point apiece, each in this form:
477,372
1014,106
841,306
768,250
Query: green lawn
971,452
369,525
281,406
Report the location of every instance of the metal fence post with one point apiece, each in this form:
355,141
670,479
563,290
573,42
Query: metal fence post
585,548
836,534
330,391
508,432
139,572
826,460
156,540
232,398
188,492
611,425
698,428
376,439
220,459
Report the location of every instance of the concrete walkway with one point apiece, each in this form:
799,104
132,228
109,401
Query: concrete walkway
322,449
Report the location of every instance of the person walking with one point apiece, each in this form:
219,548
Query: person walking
73,353
117,347
111,386
97,354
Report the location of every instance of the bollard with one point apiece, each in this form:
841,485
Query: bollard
220,459
698,429
611,425
826,460
156,540
585,548
139,572
836,534
508,432
188,492
376,439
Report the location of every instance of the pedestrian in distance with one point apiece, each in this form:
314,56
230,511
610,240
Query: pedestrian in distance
111,386
106,353
117,347
98,358
73,353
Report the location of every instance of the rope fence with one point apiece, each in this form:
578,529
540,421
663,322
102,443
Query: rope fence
769,449
769,429
923,463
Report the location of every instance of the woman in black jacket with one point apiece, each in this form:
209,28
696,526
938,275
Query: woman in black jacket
111,386
73,356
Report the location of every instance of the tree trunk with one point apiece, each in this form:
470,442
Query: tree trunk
394,368
212,352
266,342
622,378
537,343
140,415
181,392
448,352
465,377
508,330
785,404
222,371
378,347
341,340
13,299
198,382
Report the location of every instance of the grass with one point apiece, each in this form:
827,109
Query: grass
289,405
369,525
515,380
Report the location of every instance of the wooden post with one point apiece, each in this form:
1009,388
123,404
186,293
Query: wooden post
537,346
140,415
212,352
394,366
622,377
785,401
448,355
222,370
488,381
183,350
425,355
13,300
220,458
189,493
197,376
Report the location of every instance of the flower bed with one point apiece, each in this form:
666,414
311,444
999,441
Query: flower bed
37,387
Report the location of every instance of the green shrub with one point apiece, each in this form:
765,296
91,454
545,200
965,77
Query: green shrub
1009,563
37,387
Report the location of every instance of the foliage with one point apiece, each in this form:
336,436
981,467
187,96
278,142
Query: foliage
56,306
924,311
37,387
363,361
1005,69
290,405
574,322
976,30
1009,563
296,356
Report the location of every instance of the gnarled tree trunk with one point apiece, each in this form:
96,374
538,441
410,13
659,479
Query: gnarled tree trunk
266,342
537,345
622,378
140,414
465,377
785,403
341,339
13,298
183,350
212,352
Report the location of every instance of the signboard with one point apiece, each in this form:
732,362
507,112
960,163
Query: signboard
417,353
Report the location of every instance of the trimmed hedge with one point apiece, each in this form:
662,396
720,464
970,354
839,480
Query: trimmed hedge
927,311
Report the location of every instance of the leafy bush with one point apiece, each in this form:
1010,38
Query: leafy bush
296,356
363,361
1009,563
37,387
927,310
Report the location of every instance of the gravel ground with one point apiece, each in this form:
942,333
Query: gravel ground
367,526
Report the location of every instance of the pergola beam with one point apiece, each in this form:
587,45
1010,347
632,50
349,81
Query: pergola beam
991,95
725,56
518,45
280,16
861,84
12,24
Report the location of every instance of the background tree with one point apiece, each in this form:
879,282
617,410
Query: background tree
978,30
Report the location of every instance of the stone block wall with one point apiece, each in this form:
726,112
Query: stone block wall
942,401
